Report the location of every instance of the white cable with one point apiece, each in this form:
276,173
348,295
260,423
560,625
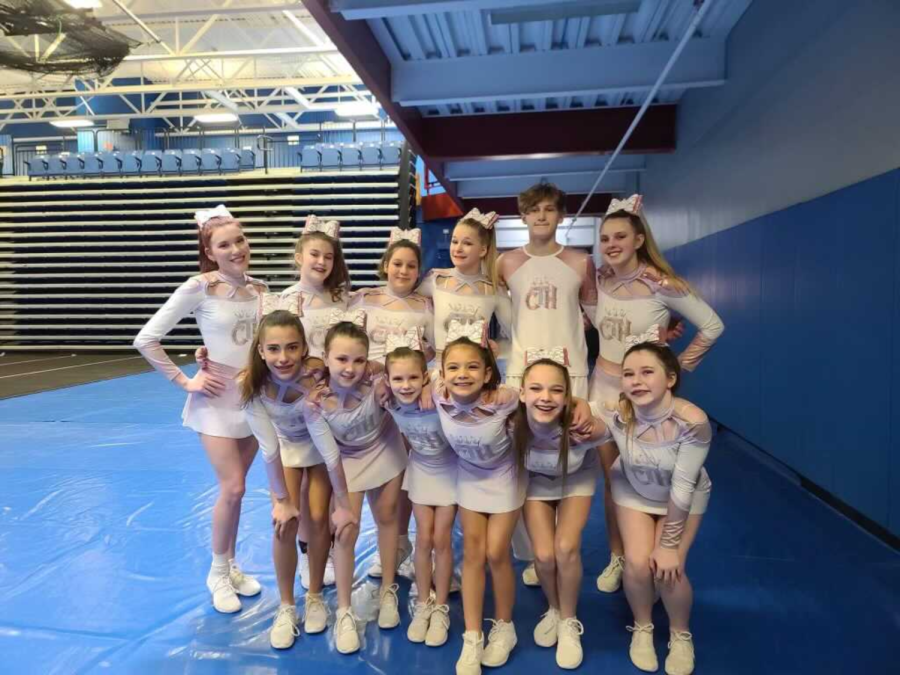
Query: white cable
688,34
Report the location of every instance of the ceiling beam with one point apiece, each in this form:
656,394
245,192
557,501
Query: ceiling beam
541,168
190,85
353,10
547,134
362,51
564,72
618,183
231,54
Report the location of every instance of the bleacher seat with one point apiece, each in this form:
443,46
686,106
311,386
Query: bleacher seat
390,152
74,165
192,160
91,163
172,162
38,166
132,161
371,154
231,159
110,163
211,160
331,156
58,164
310,158
351,155
248,158
152,163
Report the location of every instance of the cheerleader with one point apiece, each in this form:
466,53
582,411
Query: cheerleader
274,388
224,302
324,279
638,290
393,309
563,470
661,492
468,291
473,408
373,457
324,285
430,481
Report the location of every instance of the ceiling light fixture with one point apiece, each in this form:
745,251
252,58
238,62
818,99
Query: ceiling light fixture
216,118
71,124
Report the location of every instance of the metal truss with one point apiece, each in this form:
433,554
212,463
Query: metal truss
284,71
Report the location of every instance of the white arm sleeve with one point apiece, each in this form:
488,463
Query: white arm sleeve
261,425
692,452
180,304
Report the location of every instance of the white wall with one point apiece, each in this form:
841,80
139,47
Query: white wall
812,104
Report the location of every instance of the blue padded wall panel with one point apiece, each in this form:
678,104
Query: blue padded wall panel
814,382
864,217
894,466
805,293
777,337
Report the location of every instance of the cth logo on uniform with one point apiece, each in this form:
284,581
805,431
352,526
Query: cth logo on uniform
541,294
615,325
244,327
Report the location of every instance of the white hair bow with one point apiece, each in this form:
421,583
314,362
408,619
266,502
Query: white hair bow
650,335
558,355
272,302
356,316
332,228
475,331
486,220
632,205
414,235
411,339
203,217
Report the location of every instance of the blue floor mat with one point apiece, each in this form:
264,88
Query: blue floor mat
105,539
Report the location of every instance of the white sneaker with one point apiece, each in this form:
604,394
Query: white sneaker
438,626
225,599
610,579
328,578
680,660
469,662
418,627
529,576
568,650
375,570
315,614
405,559
284,629
641,651
547,630
304,570
243,584
501,641
346,639
389,607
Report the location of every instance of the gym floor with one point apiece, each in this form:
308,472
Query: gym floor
104,549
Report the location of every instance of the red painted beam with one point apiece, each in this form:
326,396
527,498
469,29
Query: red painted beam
356,43
547,134
508,206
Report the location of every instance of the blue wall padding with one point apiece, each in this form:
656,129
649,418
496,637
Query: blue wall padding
809,366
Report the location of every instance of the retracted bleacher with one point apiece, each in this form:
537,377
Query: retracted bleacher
85,262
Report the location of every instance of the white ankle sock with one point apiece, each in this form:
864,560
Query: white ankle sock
219,564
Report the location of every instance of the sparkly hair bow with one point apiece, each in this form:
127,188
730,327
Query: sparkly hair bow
332,228
203,217
411,339
356,316
414,235
558,355
272,302
650,335
475,331
486,220
632,205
